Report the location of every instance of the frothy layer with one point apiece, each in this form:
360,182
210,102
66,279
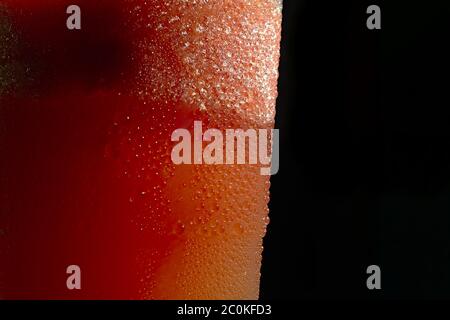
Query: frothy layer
218,57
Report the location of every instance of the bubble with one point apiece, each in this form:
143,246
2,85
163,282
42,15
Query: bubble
216,62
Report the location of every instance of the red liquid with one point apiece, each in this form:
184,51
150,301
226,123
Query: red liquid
86,176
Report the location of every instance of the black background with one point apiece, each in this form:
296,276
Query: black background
364,158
